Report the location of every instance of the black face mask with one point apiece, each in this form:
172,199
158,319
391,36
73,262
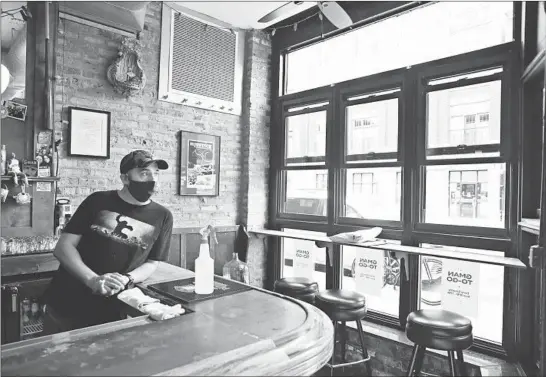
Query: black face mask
141,191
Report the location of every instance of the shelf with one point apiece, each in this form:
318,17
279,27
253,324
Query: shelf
32,179
390,246
530,226
32,327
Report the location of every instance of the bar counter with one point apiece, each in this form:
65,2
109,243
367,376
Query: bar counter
254,332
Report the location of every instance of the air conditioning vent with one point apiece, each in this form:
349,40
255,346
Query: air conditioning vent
201,64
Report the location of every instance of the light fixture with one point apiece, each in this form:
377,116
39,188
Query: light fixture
4,78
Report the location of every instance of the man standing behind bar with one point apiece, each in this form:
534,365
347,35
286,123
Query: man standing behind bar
115,239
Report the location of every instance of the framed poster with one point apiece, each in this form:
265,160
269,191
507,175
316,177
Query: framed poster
88,133
461,287
199,164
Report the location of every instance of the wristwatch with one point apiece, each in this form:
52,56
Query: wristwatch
131,283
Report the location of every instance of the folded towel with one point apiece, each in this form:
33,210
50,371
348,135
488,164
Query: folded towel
149,305
359,236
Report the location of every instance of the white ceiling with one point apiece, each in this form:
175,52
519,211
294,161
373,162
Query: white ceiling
11,25
244,14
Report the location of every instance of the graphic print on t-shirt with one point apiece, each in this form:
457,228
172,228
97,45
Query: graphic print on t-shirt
123,229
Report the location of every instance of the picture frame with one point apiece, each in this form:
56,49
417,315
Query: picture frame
199,164
88,132
15,110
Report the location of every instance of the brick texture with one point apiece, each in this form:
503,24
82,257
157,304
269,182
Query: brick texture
83,55
255,146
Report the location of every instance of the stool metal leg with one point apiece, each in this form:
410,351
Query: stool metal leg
343,341
451,359
334,351
364,349
462,365
416,360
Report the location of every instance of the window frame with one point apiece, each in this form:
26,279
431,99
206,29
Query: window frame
409,230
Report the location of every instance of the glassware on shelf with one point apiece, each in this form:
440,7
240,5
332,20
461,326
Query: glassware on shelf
25,312
237,270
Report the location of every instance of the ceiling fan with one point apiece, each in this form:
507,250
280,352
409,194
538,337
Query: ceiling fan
330,9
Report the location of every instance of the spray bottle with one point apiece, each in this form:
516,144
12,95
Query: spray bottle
204,264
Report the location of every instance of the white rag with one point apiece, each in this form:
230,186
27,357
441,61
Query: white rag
156,310
359,236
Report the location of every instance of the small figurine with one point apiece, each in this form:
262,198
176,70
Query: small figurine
4,193
14,170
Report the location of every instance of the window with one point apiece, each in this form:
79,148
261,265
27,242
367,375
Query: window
306,138
464,121
398,194
382,291
321,181
308,248
435,135
370,192
459,195
305,178
472,290
445,28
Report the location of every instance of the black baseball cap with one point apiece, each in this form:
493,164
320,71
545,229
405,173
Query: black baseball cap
140,159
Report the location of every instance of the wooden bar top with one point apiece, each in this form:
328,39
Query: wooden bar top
255,332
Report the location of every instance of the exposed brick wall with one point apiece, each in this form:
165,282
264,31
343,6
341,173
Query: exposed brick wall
255,146
83,55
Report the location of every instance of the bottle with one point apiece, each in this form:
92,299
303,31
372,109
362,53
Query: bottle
236,270
204,264
4,157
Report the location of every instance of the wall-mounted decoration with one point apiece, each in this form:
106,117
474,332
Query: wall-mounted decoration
15,110
44,153
88,133
199,164
125,73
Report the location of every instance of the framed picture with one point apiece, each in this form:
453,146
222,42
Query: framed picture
16,110
88,133
199,164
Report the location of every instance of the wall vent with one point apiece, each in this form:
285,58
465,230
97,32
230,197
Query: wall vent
201,64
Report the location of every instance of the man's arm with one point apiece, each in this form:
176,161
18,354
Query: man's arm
144,271
70,258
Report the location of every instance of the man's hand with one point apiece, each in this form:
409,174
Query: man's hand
108,284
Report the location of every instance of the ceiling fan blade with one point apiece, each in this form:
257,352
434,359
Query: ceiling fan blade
283,9
335,14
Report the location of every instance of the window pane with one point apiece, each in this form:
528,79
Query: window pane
428,33
317,254
306,192
468,115
373,193
306,137
372,127
474,290
383,297
465,195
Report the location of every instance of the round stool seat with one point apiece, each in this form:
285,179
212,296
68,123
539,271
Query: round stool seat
295,286
439,329
342,305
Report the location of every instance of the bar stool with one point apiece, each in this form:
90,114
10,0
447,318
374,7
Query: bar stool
344,306
440,330
297,287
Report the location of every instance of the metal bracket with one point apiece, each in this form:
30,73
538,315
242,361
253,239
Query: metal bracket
536,254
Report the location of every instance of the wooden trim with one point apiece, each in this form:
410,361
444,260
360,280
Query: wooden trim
13,265
535,68
219,229
388,246
530,226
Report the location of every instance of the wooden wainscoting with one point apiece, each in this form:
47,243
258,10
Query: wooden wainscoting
185,247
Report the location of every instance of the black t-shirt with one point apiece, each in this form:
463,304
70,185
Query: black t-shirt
116,237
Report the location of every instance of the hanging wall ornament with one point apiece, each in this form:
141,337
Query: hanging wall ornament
125,73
